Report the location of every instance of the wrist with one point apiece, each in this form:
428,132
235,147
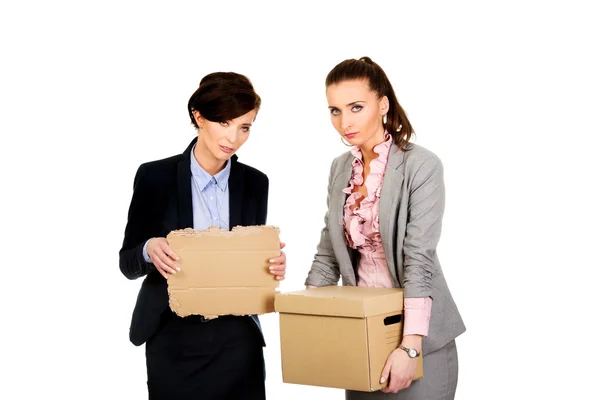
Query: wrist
412,341
145,252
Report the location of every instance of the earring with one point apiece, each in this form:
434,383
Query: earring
399,128
345,143
385,119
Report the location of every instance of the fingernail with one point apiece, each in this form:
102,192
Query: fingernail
178,269
382,380
271,269
271,261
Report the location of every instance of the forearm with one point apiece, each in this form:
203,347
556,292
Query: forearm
417,313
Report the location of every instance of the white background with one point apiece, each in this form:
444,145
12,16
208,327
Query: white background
505,92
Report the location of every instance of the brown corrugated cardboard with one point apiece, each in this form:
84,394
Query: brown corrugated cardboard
339,336
223,272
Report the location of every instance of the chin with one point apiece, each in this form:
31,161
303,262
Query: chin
221,155
355,141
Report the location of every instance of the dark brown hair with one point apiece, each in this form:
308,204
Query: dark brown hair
365,68
223,96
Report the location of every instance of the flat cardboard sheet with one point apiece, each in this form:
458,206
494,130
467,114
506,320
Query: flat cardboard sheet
223,272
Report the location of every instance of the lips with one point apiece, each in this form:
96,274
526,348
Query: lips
225,149
350,135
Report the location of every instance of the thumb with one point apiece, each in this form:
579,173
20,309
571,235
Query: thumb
386,371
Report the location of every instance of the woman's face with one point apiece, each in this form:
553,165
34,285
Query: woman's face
223,139
357,113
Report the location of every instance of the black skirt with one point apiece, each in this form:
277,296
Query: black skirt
216,359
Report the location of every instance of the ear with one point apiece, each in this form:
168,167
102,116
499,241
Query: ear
199,118
384,105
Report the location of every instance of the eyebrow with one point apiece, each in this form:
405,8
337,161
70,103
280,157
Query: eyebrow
351,104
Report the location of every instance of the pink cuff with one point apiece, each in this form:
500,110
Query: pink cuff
417,312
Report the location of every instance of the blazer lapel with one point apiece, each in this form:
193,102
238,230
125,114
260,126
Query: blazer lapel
236,193
184,189
388,205
337,199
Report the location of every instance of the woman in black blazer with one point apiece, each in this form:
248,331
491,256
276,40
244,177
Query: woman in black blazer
195,357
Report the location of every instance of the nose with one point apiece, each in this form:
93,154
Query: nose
346,121
231,134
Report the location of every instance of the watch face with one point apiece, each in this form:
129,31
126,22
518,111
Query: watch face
412,353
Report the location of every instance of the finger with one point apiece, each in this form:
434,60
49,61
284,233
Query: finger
391,386
277,260
163,273
168,261
386,371
280,277
399,384
165,267
281,245
277,267
165,248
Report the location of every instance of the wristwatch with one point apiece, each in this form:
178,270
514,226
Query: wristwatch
412,353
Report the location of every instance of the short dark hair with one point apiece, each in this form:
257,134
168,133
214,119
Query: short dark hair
365,68
223,96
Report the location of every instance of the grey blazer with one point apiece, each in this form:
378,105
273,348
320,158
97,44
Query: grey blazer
411,210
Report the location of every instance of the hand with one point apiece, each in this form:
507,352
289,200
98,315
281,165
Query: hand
162,256
278,265
400,369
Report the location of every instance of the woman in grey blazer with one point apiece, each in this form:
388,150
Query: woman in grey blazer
385,207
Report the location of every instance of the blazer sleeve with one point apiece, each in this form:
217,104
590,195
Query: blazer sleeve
139,228
423,229
325,270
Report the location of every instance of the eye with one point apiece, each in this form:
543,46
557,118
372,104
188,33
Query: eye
334,111
245,129
357,108
224,123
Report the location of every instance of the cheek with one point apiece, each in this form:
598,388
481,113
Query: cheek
242,137
335,121
214,135
371,119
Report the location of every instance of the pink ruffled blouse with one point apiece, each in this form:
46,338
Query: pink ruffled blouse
361,223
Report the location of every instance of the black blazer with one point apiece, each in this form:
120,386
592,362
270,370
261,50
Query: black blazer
162,202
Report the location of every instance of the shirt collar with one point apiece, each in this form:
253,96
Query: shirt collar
204,178
382,149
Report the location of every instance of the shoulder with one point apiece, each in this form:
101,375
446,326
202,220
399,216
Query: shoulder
158,171
340,162
418,158
252,174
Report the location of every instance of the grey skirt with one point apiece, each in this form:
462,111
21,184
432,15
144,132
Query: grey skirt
440,370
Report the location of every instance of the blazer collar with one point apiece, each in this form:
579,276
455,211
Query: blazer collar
184,189
391,193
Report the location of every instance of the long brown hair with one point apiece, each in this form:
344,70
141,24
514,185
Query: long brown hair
223,96
397,123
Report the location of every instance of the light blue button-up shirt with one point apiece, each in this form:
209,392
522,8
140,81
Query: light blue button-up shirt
210,196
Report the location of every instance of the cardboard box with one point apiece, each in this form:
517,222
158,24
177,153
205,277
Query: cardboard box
223,272
339,336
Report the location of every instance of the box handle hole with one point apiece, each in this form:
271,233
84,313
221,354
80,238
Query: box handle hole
392,319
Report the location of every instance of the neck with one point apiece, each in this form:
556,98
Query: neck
368,148
206,160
